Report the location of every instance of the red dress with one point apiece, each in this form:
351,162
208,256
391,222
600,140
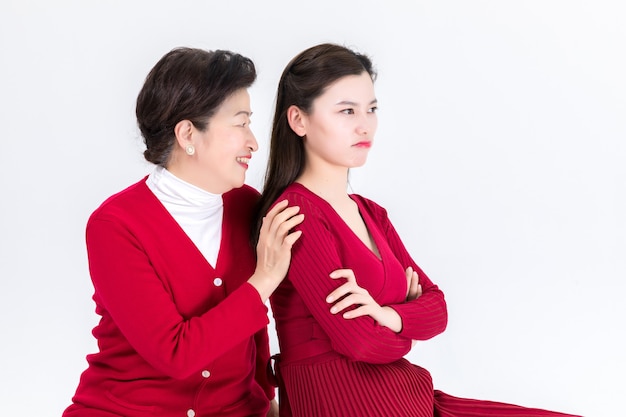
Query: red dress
177,337
330,366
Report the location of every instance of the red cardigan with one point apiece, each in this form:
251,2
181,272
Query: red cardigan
177,336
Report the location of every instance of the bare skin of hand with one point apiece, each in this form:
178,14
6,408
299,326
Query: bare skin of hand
274,247
350,293
273,411
414,289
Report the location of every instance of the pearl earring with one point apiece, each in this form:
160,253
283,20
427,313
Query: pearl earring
190,150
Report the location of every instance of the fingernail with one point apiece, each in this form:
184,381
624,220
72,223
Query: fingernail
329,299
333,310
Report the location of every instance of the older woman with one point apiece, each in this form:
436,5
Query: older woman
179,290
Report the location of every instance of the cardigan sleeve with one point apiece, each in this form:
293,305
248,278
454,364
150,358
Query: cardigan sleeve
427,316
261,339
128,288
314,257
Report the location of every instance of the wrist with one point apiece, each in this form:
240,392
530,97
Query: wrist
391,319
264,283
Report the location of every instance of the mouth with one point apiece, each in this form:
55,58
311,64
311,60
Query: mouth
244,160
363,144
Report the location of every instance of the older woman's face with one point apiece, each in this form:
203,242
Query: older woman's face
224,149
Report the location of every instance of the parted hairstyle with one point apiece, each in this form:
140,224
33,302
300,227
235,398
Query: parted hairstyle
186,84
303,80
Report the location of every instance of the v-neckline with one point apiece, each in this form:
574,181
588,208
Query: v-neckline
364,216
223,240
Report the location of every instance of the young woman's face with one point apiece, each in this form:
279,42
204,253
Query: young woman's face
340,128
225,147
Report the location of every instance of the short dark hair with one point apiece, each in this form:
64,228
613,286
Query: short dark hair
304,79
186,84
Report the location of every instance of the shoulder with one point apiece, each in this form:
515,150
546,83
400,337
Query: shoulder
309,202
132,199
371,206
241,201
243,194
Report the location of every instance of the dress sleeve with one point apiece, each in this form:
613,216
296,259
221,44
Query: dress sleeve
128,288
314,257
427,316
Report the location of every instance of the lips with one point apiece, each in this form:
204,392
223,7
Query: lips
363,144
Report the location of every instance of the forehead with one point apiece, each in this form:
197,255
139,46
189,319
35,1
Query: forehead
350,88
238,103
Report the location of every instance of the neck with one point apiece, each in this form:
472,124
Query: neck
186,171
331,184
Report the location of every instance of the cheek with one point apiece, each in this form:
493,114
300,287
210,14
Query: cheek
374,125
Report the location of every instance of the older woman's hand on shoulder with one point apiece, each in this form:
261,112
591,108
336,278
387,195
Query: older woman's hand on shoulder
276,239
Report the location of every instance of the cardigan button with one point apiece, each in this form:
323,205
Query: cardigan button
191,413
206,374
218,282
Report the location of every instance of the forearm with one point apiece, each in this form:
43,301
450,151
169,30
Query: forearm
423,318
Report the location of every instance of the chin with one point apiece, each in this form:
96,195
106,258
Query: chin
238,184
358,164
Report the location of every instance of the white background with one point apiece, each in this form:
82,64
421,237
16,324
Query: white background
500,157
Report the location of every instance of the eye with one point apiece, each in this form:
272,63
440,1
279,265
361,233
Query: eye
347,111
373,109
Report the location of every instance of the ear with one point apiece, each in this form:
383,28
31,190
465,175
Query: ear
297,120
183,131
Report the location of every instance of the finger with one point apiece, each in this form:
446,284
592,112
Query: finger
341,291
409,277
343,273
414,283
419,290
278,207
269,217
285,213
349,300
409,272
287,225
291,238
357,312
278,217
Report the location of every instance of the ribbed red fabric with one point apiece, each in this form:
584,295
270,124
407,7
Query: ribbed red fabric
344,388
449,406
333,367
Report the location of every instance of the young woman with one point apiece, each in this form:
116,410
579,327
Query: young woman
180,295
343,333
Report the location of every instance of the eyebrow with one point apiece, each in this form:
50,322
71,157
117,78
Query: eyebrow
352,103
247,113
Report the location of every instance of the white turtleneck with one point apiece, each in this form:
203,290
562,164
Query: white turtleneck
198,212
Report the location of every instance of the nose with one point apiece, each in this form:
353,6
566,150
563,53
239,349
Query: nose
367,124
252,143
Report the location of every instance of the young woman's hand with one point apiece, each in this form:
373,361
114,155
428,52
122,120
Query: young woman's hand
273,250
350,293
414,289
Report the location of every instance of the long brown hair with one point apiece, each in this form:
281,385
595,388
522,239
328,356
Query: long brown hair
304,79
